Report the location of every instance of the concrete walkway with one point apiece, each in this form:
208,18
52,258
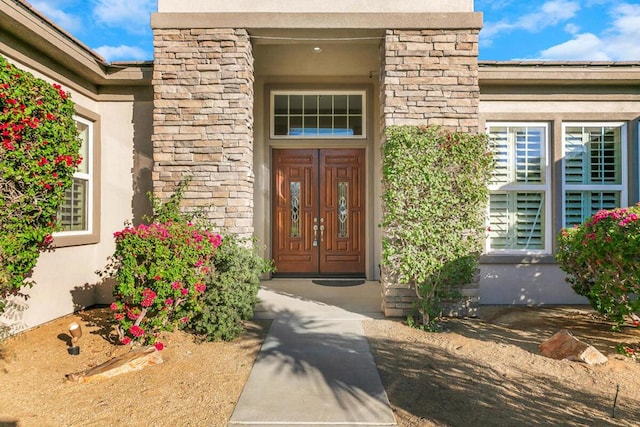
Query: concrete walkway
315,367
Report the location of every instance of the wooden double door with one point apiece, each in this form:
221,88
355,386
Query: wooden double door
319,212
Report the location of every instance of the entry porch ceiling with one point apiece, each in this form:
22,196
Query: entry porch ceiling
290,52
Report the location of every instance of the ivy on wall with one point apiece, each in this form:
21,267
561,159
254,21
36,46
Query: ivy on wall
434,209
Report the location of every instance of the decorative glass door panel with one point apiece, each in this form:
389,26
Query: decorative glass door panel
318,211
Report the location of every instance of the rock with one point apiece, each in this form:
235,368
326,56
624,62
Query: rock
130,362
563,345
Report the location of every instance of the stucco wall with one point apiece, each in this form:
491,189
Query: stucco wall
334,6
525,284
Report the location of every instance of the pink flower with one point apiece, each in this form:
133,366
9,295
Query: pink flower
113,306
157,277
185,319
176,285
47,240
168,301
200,287
119,316
136,331
184,291
149,297
215,240
8,145
159,346
125,340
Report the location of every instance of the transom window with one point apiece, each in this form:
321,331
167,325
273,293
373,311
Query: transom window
519,205
336,114
594,169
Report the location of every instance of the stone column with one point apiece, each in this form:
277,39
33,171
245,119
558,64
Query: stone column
428,77
203,122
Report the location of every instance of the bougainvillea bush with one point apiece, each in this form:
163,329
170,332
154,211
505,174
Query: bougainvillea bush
602,260
160,270
38,156
434,206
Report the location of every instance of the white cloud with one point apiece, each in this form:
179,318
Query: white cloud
585,46
550,13
66,21
619,42
572,28
122,53
132,16
627,19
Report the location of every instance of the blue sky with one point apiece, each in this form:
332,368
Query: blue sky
562,30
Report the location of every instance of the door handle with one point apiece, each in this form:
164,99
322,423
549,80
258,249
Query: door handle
315,231
321,229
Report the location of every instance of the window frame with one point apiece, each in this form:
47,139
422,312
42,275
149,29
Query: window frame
622,187
307,92
91,235
545,188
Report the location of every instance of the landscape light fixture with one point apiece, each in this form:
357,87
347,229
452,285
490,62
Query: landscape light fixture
76,332
317,49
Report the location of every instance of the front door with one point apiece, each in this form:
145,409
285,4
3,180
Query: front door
319,212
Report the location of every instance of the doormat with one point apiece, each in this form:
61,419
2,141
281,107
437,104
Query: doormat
338,282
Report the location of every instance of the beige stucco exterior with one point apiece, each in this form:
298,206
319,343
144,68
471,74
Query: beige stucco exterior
120,99
554,93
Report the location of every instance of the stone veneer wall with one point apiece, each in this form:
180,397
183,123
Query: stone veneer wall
429,77
203,122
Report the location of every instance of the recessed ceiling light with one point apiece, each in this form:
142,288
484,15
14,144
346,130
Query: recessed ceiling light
317,49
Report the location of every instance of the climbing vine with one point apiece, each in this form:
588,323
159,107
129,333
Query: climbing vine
434,204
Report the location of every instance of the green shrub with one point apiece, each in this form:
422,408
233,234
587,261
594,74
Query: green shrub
232,289
39,152
602,260
434,206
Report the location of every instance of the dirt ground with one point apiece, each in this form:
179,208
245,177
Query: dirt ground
196,385
478,372
488,371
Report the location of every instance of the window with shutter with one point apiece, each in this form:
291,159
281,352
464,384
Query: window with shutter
594,169
518,207
74,213
517,220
